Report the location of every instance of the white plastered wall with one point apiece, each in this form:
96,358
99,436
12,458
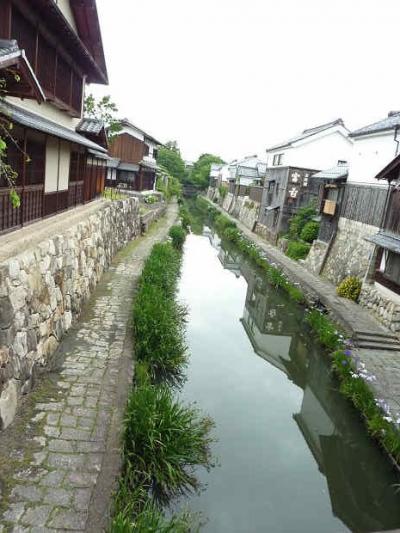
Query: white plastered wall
57,165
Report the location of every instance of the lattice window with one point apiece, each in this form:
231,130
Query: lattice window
35,168
77,89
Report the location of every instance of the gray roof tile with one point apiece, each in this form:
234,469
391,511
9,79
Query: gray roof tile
36,122
388,123
307,133
90,125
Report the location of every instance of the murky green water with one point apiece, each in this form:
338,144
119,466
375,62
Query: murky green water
294,456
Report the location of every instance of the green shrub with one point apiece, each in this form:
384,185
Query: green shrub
299,220
165,441
349,288
297,250
178,236
310,231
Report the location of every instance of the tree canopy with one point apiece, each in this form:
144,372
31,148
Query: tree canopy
201,170
169,158
105,110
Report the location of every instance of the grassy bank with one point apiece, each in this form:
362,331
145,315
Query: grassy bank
228,230
354,379
164,440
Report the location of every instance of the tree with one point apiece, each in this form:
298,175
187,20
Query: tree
200,174
7,173
104,110
169,157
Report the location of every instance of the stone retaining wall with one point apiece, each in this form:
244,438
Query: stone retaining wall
42,291
385,307
316,256
350,253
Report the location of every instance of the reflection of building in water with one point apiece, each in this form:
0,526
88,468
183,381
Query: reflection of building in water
357,475
215,241
229,262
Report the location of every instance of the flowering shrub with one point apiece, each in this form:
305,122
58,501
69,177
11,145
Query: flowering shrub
350,288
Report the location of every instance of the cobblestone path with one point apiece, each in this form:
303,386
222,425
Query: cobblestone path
60,458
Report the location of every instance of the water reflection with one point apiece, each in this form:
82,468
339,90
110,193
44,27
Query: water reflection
360,480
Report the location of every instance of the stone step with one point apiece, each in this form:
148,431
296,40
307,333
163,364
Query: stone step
376,334
373,338
370,345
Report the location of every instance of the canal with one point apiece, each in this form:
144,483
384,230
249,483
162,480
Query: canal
293,455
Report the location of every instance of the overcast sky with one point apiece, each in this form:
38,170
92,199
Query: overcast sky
231,77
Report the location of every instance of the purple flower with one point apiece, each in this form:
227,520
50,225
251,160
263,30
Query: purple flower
347,353
344,362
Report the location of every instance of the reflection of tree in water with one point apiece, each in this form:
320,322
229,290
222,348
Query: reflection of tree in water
359,477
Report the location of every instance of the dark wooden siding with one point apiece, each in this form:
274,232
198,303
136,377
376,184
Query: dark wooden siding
57,72
364,204
127,148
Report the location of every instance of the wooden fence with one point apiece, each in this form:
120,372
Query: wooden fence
364,204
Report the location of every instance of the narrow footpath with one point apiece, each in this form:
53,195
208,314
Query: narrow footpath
356,321
60,458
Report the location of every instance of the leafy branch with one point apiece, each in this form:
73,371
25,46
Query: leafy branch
105,110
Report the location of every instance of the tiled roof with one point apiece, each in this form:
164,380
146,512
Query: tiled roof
388,123
128,123
90,125
11,56
8,47
334,173
389,242
36,122
307,133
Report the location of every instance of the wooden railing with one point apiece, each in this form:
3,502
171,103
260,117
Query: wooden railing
75,193
31,207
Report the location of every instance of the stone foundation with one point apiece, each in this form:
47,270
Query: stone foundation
43,289
316,256
350,252
383,304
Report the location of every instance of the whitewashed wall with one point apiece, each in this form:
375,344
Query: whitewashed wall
370,155
316,153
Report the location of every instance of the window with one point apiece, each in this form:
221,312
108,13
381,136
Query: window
278,158
271,186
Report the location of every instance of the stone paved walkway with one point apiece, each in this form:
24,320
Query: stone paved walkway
353,318
60,458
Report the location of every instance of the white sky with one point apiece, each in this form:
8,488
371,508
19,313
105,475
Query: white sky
231,77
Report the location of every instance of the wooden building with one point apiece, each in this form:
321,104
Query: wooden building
134,154
48,51
387,254
286,189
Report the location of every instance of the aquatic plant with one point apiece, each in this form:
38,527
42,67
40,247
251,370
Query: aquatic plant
165,440
178,236
185,217
324,329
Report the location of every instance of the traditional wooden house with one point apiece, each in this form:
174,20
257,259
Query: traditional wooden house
134,154
289,183
48,51
364,199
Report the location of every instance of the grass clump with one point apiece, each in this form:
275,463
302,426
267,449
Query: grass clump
324,329
165,440
350,288
178,236
185,217
158,319
297,250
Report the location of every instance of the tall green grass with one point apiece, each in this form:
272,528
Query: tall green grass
164,441
158,319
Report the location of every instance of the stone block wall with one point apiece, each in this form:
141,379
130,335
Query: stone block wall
384,307
316,256
350,253
44,288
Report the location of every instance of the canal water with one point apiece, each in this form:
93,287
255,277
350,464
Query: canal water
293,455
